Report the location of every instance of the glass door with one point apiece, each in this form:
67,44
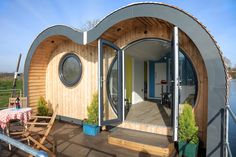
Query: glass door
175,83
110,83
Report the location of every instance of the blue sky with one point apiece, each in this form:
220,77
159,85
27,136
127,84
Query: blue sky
22,20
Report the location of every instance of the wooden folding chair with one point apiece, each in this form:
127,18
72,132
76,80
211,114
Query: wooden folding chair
23,102
38,131
12,102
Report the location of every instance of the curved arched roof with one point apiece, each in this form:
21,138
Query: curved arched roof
186,22
212,57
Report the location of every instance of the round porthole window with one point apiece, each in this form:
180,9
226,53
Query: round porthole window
70,69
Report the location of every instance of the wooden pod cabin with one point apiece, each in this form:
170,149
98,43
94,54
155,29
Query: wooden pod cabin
144,61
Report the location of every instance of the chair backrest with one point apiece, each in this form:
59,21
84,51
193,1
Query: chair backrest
23,102
12,102
53,116
50,124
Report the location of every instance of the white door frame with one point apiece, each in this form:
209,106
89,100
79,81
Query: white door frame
123,83
176,84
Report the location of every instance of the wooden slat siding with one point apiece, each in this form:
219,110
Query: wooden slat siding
200,107
37,71
73,100
34,84
134,29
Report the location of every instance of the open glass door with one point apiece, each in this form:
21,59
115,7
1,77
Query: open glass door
175,83
109,83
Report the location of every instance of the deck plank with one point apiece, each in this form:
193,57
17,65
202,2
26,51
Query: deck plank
143,142
142,137
149,112
71,142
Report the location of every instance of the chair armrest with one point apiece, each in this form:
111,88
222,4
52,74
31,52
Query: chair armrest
46,117
35,123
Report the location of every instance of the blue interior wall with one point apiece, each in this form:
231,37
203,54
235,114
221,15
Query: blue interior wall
151,78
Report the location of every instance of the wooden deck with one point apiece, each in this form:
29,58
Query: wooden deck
141,141
71,142
149,116
150,112
147,128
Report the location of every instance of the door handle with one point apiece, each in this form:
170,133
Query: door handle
101,81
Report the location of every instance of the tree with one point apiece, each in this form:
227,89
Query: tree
89,24
92,110
233,68
228,63
188,130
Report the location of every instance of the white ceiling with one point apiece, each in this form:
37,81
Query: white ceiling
149,49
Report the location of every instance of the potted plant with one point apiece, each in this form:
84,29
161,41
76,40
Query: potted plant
90,125
42,107
188,133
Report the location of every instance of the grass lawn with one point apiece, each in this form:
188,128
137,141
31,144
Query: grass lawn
6,84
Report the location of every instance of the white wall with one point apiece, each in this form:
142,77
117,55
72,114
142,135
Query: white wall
160,74
138,81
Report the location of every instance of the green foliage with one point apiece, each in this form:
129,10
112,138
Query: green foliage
42,107
92,110
188,131
233,76
6,84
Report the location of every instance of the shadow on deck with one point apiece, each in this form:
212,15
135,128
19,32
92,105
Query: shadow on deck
71,142
150,112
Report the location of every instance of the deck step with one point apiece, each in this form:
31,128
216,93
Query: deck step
162,130
160,145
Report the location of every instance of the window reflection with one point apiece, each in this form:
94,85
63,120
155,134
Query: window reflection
70,69
112,84
188,84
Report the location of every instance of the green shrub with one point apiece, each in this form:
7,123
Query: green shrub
42,107
234,76
92,110
188,131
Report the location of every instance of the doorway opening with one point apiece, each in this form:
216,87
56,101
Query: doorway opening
148,83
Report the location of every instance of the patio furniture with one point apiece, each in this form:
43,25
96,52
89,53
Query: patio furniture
15,125
164,95
6,115
23,114
38,131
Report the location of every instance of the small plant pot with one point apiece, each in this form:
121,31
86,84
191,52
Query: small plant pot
187,149
91,130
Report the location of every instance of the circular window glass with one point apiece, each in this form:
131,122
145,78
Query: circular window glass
70,69
112,85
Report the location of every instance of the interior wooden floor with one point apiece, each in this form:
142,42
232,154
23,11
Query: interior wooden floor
149,112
